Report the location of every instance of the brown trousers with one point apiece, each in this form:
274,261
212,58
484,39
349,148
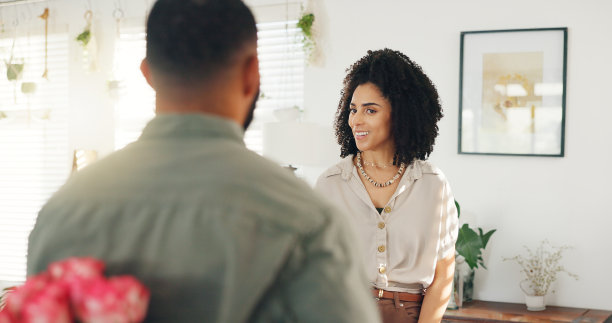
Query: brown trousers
396,311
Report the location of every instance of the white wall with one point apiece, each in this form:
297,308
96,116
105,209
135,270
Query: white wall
526,199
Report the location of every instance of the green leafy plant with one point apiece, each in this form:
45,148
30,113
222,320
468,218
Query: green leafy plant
305,24
471,243
14,71
84,37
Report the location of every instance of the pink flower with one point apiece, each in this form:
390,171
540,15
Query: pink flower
5,316
120,299
134,296
39,300
76,269
18,297
76,288
50,305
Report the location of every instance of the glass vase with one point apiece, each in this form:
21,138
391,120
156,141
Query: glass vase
463,282
468,286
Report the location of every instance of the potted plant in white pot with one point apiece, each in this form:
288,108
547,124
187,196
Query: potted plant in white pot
540,268
468,248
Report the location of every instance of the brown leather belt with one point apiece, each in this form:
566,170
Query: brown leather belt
406,297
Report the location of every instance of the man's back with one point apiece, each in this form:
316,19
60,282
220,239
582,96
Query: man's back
216,232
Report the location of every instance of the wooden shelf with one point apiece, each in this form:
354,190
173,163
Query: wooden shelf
483,311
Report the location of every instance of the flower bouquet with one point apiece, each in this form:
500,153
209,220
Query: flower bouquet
75,290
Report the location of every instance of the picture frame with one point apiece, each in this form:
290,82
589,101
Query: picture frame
512,90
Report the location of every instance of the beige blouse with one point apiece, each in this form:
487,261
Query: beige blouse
418,226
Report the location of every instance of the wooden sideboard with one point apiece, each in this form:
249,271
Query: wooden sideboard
483,311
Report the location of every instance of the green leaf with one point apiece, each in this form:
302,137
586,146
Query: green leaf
84,37
305,23
469,245
458,208
485,238
13,71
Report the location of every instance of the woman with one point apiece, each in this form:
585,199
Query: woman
402,207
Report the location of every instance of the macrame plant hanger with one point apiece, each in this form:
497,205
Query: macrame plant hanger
115,79
88,41
14,70
45,17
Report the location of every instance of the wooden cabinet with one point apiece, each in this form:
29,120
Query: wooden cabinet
483,311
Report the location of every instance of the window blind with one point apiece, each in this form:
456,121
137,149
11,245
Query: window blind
135,100
34,157
281,66
281,63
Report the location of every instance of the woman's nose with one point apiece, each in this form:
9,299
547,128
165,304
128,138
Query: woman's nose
356,118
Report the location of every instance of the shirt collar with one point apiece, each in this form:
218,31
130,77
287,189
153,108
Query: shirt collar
192,125
413,172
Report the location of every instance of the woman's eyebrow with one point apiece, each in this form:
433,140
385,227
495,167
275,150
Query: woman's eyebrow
366,104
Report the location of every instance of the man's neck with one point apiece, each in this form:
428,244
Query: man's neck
205,103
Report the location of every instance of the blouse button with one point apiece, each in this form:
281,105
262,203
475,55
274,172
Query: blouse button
382,269
381,225
381,248
387,209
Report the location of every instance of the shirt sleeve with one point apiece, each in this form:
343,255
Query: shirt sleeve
323,280
449,223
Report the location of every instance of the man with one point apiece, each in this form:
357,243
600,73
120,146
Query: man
217,233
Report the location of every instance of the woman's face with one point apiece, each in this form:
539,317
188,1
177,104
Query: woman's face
370,119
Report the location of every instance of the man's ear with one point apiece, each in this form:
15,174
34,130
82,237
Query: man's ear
251,76
146,72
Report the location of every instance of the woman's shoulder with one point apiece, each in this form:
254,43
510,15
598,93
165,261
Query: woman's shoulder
339,171
342,167
426,169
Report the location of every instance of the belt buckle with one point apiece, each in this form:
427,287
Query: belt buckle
380,293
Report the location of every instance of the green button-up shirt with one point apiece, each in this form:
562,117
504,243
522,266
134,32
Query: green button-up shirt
216,232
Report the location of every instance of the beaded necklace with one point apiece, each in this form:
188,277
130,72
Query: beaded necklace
375,183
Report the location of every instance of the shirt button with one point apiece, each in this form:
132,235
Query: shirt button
387,209
381,248
381,225
382,269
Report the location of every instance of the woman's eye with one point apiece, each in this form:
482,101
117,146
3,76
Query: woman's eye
352,111
371,111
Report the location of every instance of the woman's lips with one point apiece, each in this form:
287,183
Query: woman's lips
360,135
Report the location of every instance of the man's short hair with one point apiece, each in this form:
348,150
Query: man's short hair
189,41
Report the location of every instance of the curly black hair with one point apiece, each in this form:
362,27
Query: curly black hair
415,105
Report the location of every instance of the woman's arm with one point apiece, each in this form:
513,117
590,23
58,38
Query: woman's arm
438,293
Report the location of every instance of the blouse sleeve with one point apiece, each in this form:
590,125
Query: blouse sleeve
449,223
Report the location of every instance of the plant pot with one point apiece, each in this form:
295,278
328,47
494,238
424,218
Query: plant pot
534,303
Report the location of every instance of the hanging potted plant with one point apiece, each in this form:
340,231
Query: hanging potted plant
14,70
468,248
305,25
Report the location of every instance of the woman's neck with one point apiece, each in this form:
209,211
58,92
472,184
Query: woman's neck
378,157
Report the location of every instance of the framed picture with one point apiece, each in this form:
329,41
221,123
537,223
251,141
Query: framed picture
512,92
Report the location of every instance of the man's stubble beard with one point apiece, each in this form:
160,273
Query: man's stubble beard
249,117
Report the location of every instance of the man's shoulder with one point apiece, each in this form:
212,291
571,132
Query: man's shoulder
288,199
